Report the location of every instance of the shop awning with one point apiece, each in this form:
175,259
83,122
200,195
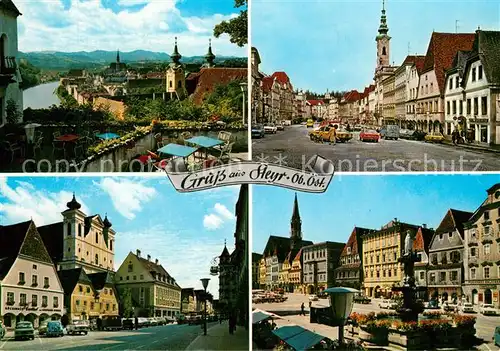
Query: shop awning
258,317
298,337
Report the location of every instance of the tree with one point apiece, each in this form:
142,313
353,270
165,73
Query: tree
127,305
12,113
236,28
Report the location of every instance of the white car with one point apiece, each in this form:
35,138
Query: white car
488,309
270,128
387,304
467,307
313,298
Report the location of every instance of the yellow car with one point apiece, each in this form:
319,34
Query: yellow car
325,133
435,137
343,135
310,123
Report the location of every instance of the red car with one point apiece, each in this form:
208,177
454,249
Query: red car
369,135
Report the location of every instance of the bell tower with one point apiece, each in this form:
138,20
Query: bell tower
295,226
383,41
176,80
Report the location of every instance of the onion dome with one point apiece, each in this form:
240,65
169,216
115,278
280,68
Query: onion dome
73,204
106,222
176,57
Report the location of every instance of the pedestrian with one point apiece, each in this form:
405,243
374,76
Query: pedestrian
310,304
136,322
302,307
333,135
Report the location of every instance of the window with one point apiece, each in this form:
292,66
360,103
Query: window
447,107
395,256
422,275
45,301
179,84
486,215
141,277
454,275
479,72
378,274
22,299
34,300
91,305
484,105
96,237
35,267
474,74
442,276
46,282
88,289
79,229
432,87
170,84
107,307
130,267
487,249
486,272
456,82
34,280
473,273
96,259
451,83
85,303
473,252
68,226
389,273
135,277
434,259
460,107
121,278
111,245
378,258
80,288
454,107
10,298
469,106
383,51
55,302
77,302
487,230
21,278
476,106
432,277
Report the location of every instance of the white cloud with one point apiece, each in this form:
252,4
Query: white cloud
127,195
223,211
23,202
214,221
185,258
87,25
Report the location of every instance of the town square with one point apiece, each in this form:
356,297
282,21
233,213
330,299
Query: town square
424,261
121,263
385,94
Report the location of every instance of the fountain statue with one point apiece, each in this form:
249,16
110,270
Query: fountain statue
409,309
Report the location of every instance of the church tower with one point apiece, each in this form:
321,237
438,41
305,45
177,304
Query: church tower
383,41
118,57
295,226
176,80
209,57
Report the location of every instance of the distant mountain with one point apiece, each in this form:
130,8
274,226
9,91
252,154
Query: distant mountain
95,59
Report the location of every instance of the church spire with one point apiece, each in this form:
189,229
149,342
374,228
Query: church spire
295,226
176,57
210,57
383,29
117,56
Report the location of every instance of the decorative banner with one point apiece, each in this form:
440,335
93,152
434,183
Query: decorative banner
247,172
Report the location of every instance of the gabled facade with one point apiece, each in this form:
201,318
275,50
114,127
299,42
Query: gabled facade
402,77
296,273
421,245
412,92
286,95
316,109
188,299
10,77
454,96
271,91
482,242
319,263
106,294
80,297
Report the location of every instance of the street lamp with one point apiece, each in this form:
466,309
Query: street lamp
204,281
244,88
341,302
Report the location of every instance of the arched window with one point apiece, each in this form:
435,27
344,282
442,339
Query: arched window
79,229
69,228
383,51
170,83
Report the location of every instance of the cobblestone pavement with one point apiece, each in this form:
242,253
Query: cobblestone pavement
293,148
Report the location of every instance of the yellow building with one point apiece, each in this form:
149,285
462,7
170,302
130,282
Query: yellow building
283,278
79,294
262,272
106,296
188,300
295,274
154,292
381,252
176,80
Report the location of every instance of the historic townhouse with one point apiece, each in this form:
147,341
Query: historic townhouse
295,275
256,258
106,294
271,91
80,240
421,247
445,272
154,292
332,107
284,276
10,77
29,286
348,109
412,92
350,273
319,263
453,95
286,96
316,109
188,301
481,86
262,272
402,77
381,252
482,243
439,58
80,297
389,106
372,104
257,108
300,108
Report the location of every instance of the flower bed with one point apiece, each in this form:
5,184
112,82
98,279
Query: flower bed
409,335
375,331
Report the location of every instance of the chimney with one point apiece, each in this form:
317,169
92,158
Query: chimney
149,257
424,226
138,253
157,262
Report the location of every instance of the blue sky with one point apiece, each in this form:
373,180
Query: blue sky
184,231
83,25
365,201
330,44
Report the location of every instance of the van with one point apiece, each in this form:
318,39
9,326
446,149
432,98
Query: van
390,132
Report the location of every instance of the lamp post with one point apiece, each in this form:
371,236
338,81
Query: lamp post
244,88
204,281
341,302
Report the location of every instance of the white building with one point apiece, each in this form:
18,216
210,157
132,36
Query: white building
9,72
453,95
403,76
412,92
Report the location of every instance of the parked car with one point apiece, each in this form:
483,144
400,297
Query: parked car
270,128
467,307
112,323
55,328
142,322
42,328
258,131
128,323
434,137
181,319
390,132
388,304
78,327
343,135
369,135
313,298
487,310
362,299
405,133
280,126
418,135
449,307
24,330
496,336
310,123
2,331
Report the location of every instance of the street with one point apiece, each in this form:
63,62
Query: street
293,148
485,325
167,337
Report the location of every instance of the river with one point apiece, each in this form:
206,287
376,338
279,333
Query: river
41,96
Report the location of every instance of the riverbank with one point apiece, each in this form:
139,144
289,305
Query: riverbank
41,96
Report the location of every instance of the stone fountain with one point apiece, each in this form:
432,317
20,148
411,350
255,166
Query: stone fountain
409,309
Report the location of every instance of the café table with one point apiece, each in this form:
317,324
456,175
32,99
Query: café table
177,150
68,138
205,142
107,136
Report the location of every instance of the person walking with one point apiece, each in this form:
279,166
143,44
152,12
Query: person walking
136,322
302,308
333,135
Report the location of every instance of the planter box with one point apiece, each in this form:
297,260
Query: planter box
411,340
378,338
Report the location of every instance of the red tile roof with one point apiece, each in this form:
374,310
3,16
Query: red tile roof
352,96
297,256
315,102
441,51
267,84
205,81
160,75
352,243
422,239
281,77
454,219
